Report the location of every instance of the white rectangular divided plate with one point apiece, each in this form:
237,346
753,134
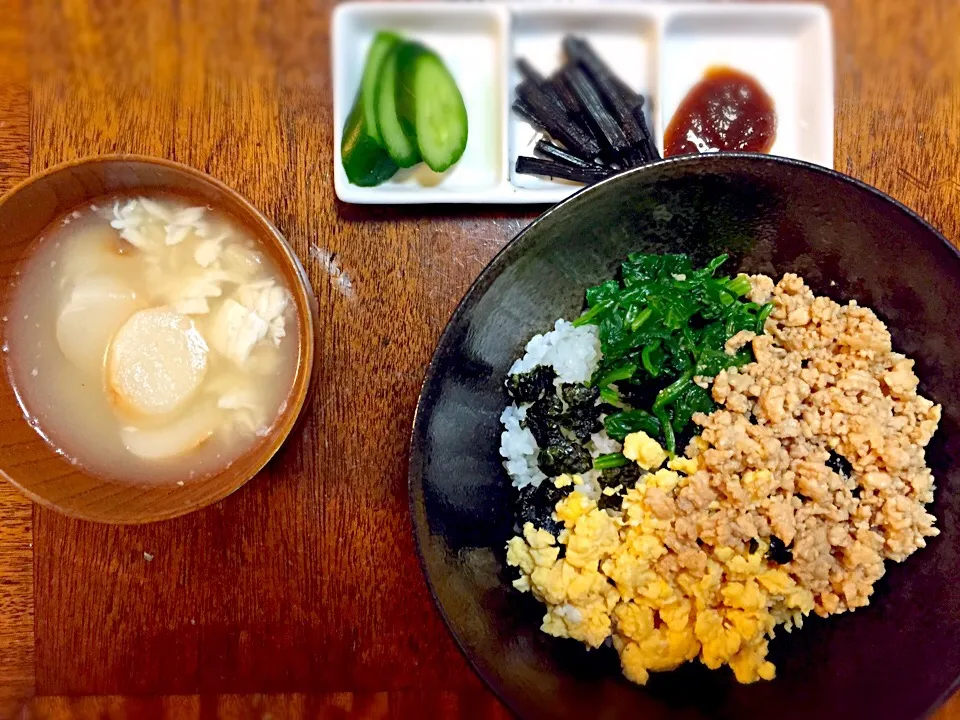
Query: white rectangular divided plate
660,49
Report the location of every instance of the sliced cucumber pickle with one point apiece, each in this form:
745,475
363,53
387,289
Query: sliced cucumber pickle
365,161
382,44
431,106
397,136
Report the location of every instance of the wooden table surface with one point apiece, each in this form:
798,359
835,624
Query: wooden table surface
301,595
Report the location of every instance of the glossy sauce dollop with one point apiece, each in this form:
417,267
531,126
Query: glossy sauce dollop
726,110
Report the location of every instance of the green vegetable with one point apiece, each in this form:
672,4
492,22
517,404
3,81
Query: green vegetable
610,396
652,356
365,161
662,324
669,439
408,107
397,135
613,460
595,311
762,317
641,318
383,43
621,424
673,391
739,286
431,106
624,372
693,400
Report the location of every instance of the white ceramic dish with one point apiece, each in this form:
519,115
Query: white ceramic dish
659,49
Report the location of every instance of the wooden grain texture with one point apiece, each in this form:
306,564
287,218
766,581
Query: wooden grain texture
16,539
898,102
476,705
306,580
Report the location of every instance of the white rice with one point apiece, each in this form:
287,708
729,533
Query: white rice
603,444
574,354
519,448
591,484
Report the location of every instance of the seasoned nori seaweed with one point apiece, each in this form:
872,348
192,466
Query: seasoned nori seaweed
537,504
544,420
530,386
779,552
564,457
839,464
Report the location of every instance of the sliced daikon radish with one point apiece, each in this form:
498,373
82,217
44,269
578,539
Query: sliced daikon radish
177,438
157,361
92,250
95,308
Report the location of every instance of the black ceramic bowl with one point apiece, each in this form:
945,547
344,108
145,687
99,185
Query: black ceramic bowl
897,658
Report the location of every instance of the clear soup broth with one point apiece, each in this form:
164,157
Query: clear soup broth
151,340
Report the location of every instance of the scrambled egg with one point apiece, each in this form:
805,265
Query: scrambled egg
644,450
612,581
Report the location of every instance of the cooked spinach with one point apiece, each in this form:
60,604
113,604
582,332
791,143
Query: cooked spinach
609,461
662,324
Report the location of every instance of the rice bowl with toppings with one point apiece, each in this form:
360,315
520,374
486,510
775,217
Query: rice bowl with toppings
701,460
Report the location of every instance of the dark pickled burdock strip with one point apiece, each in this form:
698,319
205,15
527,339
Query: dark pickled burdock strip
530,73
619,99
602,121
580,51
564,94
648,147
526,112
552,117
532,76
552,168
554,152
595,121
566,97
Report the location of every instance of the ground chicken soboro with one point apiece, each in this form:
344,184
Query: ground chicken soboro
809,475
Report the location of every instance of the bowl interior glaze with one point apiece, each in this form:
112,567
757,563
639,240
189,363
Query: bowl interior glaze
896,658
